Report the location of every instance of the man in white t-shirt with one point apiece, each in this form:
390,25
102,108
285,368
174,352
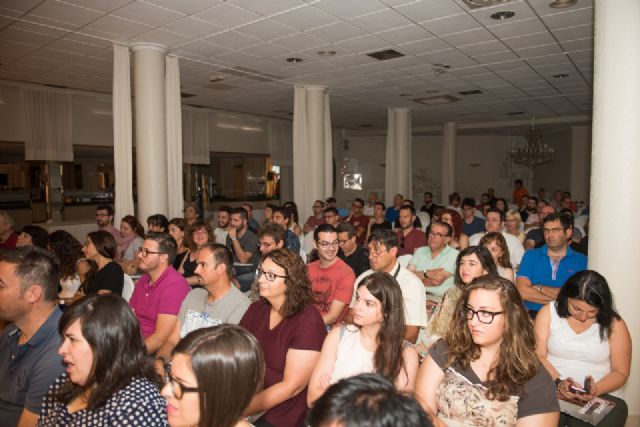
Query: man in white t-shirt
383,251
220,232
493,223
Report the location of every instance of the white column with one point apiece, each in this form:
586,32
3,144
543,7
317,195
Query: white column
150,131
316,128
448,161
398,171
613,251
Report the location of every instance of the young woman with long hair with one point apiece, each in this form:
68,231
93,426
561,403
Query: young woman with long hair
374,343
176,230
290,331
472,262
497,245
100,247
459,240
212,377
68,250
485,371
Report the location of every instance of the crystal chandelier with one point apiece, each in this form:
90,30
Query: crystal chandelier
534,152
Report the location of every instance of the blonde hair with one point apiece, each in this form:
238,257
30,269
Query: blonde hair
516,216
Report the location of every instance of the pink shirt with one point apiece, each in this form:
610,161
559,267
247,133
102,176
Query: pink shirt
162,297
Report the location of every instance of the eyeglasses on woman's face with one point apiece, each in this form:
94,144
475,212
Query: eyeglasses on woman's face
177,388
484,316
270,276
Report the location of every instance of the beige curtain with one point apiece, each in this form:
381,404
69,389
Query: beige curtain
122,132
174,137
47,125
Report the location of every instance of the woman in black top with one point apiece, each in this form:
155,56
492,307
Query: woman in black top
101,247
196,235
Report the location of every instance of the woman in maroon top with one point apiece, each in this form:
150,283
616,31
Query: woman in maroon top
291,331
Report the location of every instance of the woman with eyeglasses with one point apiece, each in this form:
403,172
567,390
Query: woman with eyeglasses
485,371
472,262
373,344
197,234
290,331
100,247
582,340
109,380
213,375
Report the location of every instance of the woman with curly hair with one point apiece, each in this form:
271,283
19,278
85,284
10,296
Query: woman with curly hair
374,343
497,245
197,234
69,251
485,371
290,331
459,240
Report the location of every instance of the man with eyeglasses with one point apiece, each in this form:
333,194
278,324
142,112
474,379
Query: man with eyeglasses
544,270
331,216
283,217
217,302
494,223
350,251
331,278
435,264
409,237
316,219
271,236
159,292
383,256
104,220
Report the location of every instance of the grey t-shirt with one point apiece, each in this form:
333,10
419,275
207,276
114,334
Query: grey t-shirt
197,312
249,243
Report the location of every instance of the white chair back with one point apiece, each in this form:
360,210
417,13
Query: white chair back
127,288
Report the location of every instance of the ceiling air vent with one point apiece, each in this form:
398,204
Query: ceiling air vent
483,3
470,92
384,55
437,100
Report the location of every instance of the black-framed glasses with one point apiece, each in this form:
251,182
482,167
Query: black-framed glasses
483,316
271,277
324,244
177,388
146,252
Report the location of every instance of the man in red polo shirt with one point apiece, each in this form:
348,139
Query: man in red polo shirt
409,237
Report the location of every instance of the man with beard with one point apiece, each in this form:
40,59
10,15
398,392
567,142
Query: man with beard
243,244
220,232
409,237
159,292
351,252
104,219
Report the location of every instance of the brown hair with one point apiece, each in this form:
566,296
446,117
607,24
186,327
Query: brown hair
229,367
494,236
135,225
517,362
387,358
197,225
298,293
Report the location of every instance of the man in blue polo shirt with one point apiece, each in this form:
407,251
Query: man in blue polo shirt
29,360
544,270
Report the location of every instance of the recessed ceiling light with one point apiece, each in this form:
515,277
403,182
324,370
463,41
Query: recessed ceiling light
437,100
326,52
560,76
294,60
560,4
502,15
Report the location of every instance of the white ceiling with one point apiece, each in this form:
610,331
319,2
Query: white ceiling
68,43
